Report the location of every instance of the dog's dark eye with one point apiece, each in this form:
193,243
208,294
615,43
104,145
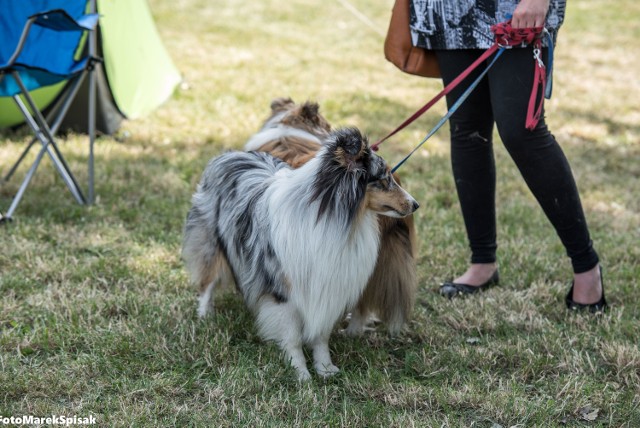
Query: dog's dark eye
374,180
380,182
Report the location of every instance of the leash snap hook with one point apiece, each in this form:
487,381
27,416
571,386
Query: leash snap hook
537,56
504,43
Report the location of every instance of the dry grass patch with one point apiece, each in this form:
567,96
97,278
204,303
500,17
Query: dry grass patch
97,316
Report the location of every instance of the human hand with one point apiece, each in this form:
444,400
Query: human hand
530,13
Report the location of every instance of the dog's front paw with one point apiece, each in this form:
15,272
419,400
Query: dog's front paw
353,330
206,310
358,325
303,375
327,370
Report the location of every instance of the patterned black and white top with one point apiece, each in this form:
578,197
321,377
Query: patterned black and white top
465,24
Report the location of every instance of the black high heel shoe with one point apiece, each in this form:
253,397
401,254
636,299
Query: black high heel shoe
451,289
597,307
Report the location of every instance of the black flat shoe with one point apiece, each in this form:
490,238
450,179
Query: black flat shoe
597,307
451,289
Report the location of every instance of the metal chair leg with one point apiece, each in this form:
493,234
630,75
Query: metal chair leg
92,134
93,52
54,118
46,142
25,183
20,159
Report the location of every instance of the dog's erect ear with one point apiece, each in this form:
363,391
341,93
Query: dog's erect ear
310,114
280,104
351,147
310,110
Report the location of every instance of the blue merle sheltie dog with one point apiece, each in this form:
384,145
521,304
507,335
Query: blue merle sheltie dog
294,132
300,244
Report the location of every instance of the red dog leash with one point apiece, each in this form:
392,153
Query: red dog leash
505,37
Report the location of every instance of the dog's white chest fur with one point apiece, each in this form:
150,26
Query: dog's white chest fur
328,265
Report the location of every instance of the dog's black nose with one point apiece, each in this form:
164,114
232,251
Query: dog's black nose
416,205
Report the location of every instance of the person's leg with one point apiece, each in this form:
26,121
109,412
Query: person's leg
472,161
544,167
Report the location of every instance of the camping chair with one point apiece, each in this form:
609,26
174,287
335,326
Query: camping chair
40,41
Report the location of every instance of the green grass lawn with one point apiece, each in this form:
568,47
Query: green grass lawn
97,316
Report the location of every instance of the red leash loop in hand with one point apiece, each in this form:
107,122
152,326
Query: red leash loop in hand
506,35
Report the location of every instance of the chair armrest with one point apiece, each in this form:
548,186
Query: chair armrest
57,20
60,20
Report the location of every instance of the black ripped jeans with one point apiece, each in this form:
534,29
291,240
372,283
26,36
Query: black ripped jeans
502,98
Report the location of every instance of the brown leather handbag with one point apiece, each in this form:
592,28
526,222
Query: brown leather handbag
399,50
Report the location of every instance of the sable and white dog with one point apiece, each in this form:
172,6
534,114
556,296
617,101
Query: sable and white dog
300,244
294,133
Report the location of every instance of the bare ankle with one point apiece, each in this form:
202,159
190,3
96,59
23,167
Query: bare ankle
587,286
477,274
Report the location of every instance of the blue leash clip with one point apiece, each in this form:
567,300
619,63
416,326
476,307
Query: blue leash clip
549,85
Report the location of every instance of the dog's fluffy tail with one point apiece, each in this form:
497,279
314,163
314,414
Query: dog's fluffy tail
204,261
